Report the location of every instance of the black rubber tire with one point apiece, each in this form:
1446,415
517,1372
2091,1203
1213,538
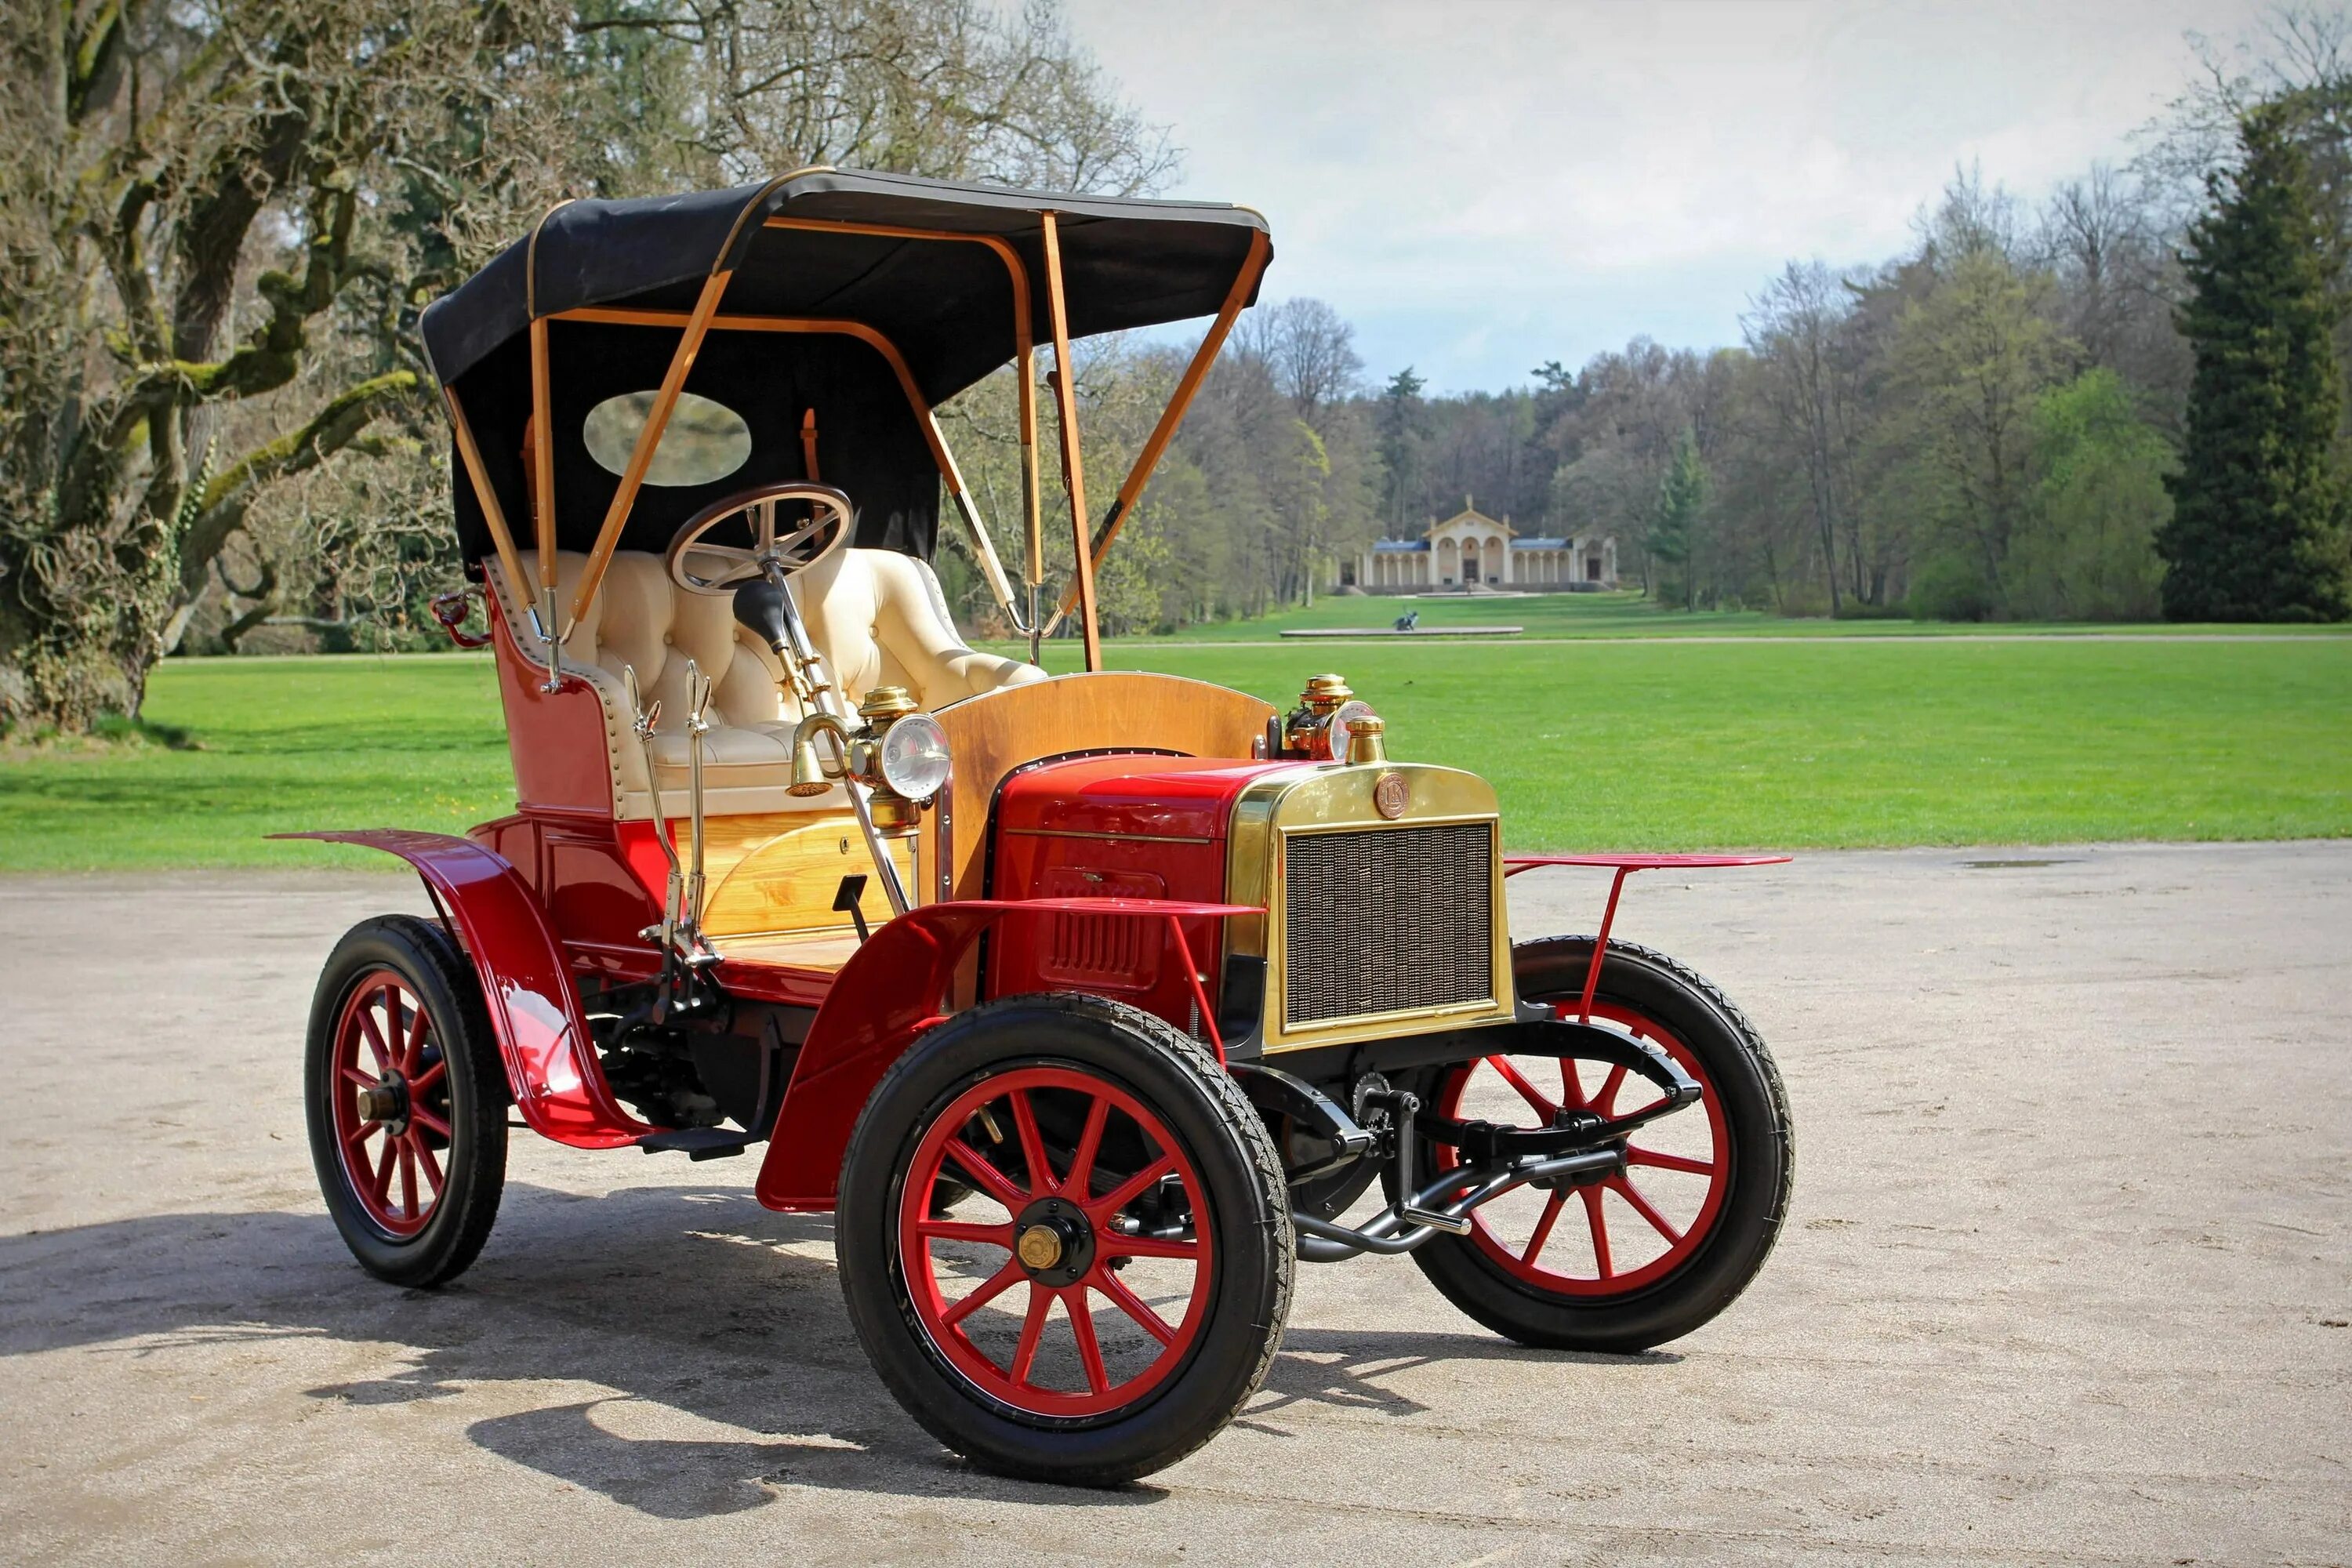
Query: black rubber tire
1227,1144
475,1163
1756,1201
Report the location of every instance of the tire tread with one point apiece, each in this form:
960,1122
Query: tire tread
451,1242
1239,1119
1639,1320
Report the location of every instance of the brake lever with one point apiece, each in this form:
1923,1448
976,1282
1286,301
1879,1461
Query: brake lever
642,719
698,696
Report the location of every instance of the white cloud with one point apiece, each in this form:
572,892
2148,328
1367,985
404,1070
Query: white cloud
1482,186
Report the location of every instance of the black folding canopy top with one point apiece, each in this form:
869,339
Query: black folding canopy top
946,306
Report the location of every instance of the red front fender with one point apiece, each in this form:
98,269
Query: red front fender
892,989
534,1008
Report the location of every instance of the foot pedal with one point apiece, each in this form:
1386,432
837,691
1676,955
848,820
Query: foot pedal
700,1142
1447,1223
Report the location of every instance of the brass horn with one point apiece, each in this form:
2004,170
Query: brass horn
809,777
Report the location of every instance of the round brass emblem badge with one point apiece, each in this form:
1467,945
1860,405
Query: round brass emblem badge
1391,795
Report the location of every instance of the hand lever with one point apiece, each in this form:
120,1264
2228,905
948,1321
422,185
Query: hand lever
698,698
642,719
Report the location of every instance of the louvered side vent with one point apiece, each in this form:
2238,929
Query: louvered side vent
1386,919
1102,952
1098,950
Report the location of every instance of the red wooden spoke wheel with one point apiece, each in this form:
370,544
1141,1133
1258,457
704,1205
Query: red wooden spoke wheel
1614,1232
390,1103
1064,1238
1116,1263
406,1099
1628,1256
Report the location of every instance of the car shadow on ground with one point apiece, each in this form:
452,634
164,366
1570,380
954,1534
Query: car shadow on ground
696,1345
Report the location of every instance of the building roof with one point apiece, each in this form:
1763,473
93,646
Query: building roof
1470,514
1421,546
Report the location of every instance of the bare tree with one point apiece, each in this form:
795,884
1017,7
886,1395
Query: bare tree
202,197
955,90
1967,219
1795,330
1308,348
222,217
2090,232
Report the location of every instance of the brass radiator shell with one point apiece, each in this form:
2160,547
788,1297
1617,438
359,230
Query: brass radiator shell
1315,830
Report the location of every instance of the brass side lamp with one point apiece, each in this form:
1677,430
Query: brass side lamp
899,754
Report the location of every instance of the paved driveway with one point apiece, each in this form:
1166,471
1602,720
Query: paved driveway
2066,1277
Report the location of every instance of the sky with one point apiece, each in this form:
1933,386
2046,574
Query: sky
1483,185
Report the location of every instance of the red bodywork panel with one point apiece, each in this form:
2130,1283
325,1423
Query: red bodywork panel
1131,827
1134,797
562,839
534,1008
892,989
556,738
578,867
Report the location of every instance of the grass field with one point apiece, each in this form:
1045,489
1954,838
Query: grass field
1630,615
1782,743
288,743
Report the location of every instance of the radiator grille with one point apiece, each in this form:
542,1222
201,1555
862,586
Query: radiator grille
1385,919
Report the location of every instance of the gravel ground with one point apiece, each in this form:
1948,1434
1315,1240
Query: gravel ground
2065,1280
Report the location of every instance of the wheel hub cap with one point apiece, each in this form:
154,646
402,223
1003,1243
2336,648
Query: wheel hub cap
1041,1248
386,1101
1054,1241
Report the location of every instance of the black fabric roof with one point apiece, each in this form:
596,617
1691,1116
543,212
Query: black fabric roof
947,306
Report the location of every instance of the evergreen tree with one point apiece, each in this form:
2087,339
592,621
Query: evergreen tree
1399,429
1674,529
2256,531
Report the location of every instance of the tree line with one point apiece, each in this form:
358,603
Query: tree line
222,217
2120,403
2113,406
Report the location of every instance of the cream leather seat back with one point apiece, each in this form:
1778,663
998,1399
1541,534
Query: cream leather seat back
877,617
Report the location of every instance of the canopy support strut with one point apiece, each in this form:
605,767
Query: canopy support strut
542,462
1025,366
518,581
1179,404
632,477
1074,474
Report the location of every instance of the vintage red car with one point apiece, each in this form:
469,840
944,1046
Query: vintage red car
1090,1003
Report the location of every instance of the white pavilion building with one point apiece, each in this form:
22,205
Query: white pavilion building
1470,551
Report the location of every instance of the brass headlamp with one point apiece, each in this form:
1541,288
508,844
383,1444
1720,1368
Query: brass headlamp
898,755
1317,728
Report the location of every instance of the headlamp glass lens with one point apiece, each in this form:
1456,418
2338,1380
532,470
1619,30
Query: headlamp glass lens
915,756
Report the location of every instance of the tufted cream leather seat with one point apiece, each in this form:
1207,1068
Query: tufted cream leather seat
877,617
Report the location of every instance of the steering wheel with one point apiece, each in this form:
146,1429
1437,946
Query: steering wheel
701,564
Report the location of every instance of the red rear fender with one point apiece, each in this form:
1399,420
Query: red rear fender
534,1008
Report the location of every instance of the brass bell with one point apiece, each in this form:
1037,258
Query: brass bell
808,773
809,776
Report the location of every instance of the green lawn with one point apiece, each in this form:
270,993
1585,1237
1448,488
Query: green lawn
1784,742
1630,615
288,743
